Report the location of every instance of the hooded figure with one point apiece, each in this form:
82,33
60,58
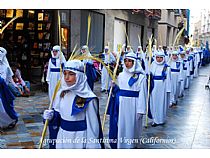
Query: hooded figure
186,73
76,111
8,116
176,77
90,70
141,56
109,59
128,104
5,69
160,95
56,62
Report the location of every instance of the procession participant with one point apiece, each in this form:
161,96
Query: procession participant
76,111
8,116
191,59
128,104
196,62
176,77
22,87
109,59
56,63
186,73
188,66
160,95
141,57
89,67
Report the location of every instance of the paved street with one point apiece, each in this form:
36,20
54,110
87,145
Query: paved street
187,125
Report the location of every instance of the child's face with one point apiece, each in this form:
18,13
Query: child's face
128,63
69,77
83,51
159,59
174,56
182,55
55,52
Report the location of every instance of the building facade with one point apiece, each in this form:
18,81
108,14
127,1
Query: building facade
204,30
172,20
29,39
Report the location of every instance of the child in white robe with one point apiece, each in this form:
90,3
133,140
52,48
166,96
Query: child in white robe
176,77
128,105
76,111
160,95
8,115
105,77
53,73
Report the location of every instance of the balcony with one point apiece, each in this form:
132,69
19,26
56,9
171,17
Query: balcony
151,13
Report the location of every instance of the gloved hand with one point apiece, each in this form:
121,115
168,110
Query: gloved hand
48,114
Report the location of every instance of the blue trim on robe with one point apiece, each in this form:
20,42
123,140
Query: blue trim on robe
91,75
55,69
53,61
113,111
54,125
72,68
175,70
80,125
76,109
7,100
159,77
133,79
178,64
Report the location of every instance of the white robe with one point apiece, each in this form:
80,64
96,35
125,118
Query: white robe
129,127
196,61
159,98
105,77
77,139
176,78
53,77
5,119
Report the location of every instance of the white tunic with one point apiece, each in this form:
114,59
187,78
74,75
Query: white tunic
176,78
53,77
128,125
105,77
160,95
5,119
77,139
196,62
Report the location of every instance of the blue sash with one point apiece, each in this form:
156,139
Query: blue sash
73,125
54,69
175,70
159,77
127,93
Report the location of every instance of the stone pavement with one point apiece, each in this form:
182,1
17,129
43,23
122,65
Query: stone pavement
187,125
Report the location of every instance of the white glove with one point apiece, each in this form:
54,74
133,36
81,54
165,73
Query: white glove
48,114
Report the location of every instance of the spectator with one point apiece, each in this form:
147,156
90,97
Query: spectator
21,87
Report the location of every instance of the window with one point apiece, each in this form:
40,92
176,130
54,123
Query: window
96,35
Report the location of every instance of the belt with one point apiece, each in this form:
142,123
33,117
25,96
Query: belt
127,93
55,70
159,77
175,70
73,125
